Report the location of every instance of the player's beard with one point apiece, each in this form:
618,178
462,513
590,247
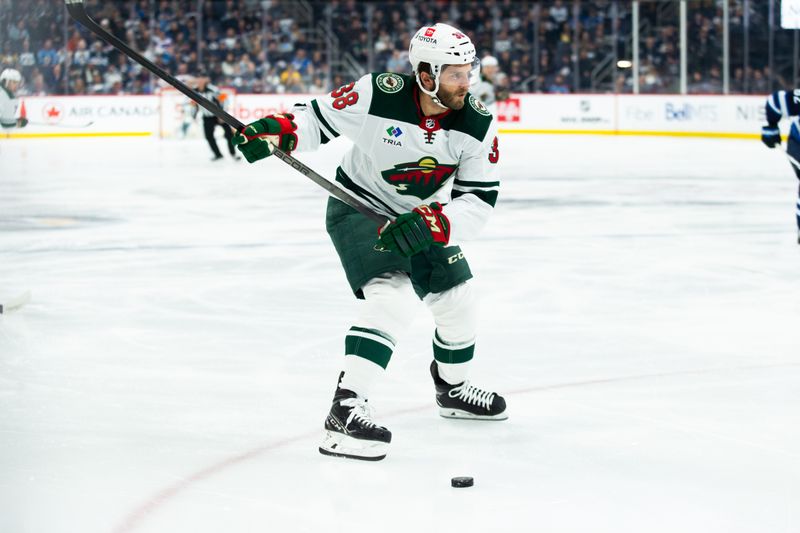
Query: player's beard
452,99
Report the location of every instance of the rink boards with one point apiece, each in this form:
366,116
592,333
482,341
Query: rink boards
607,114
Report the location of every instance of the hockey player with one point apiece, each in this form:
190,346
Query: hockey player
487,88
785,104
10,80
210,122
484,88
425,154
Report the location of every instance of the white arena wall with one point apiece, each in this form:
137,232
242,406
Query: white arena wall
604,114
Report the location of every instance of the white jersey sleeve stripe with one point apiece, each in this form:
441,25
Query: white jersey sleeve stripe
772,104
324,124
782,102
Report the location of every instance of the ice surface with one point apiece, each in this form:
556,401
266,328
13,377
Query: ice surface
172,372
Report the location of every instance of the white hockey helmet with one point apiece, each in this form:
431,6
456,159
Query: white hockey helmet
10,74
440,45
489,61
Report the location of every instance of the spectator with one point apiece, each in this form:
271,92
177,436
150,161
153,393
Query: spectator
559,13
398,62
292,80
27,60
649,79
81,55
242,40
760,84
558,86
17,34
47,54
229,65
37,85
318,85
302,63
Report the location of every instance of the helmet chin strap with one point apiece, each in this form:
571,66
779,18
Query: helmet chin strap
432,94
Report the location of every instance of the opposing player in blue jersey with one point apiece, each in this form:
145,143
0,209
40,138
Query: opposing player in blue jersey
782,104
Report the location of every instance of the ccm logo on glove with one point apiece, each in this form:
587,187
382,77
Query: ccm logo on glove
437,222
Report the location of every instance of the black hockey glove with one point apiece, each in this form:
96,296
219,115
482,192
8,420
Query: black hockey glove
413,232
771,136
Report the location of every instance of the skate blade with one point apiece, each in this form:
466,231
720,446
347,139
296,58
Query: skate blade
466,415
338,445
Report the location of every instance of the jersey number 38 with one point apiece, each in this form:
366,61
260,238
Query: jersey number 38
343,97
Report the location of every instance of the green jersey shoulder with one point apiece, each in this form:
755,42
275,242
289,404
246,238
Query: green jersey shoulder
394,98
474,119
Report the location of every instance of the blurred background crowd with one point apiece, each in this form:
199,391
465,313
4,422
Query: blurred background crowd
301,46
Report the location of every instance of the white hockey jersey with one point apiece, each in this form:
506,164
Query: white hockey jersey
484,90
401,159
8,108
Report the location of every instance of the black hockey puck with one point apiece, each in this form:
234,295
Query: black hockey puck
459,482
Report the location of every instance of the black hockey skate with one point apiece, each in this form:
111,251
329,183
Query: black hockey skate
466,401
350,431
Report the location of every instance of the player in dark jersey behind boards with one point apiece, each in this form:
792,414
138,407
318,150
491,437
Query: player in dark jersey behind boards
786,104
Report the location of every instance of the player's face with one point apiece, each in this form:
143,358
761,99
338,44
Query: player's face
453,85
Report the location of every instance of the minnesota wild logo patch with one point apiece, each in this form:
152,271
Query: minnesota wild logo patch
419,178
478,106
389,82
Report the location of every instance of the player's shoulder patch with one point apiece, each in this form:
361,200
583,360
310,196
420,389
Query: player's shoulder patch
389,82
392,97
478,106
474,119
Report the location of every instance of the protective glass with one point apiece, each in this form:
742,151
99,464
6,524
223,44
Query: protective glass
454,76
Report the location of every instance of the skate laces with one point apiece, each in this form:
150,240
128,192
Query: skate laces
472,395
360,411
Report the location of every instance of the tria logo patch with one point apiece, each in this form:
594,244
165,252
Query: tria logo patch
394,131
420,178
429,32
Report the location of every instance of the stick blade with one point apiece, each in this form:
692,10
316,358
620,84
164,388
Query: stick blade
15,303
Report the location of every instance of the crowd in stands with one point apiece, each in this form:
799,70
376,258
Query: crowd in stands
293,46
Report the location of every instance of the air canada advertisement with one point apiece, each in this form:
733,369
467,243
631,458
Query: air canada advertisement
160,116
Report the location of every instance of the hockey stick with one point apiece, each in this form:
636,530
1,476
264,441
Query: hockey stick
85,125
15,303
78,12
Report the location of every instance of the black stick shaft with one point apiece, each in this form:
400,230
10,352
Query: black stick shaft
78,12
